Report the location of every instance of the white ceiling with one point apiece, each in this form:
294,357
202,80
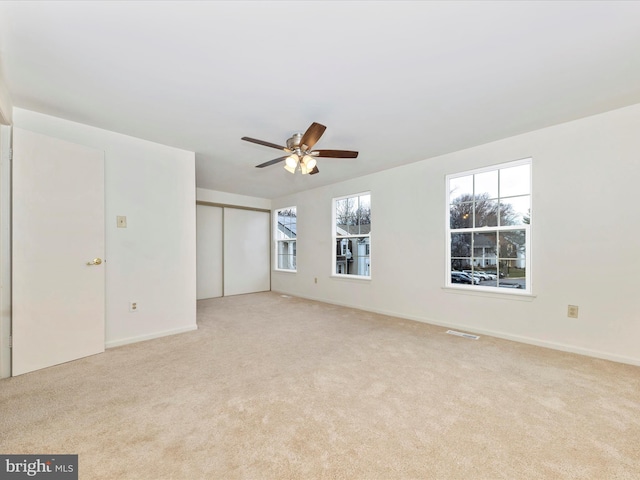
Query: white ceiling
398,81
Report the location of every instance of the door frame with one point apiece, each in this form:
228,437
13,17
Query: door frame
253,209
5,250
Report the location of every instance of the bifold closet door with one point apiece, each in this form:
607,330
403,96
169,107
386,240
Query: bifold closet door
209,251
246,251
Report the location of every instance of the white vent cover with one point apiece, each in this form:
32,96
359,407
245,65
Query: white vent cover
462,334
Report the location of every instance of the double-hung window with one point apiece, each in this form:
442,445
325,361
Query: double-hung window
285,229
488,228
352,235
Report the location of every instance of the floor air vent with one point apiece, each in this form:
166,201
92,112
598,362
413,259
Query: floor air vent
462,334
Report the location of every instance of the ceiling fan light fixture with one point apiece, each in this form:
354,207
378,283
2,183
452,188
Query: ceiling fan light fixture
303,168
289,169
309,162
292,161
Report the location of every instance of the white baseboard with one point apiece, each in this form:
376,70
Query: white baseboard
150,336
492,333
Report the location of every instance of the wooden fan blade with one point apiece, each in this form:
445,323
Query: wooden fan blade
335,153
271,162
262,142
312,135
314,171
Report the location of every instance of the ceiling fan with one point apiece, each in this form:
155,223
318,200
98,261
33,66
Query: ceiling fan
299,151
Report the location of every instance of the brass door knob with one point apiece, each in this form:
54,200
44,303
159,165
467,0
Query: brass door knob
95,261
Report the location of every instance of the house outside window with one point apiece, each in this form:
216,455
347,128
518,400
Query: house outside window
489,228
285,229
352,235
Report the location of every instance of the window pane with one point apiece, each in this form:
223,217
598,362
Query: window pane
515,210
515,181
286,227
486,184
460,245
461,215
459,264
346,216
342,215
353,256
486,212
461,189
286,262
512,274
286,255
363,214
512,245
484,250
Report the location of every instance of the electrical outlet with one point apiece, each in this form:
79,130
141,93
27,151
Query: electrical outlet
133,306
315,280
572,311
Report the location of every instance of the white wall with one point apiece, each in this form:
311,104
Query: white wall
585,228
153,260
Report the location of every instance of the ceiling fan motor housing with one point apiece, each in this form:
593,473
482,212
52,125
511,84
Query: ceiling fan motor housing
294,141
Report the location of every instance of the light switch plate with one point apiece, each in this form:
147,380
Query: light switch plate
122,221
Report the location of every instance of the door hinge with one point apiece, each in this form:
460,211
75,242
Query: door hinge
10,341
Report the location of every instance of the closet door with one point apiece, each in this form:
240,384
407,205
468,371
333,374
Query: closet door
209,251
247,240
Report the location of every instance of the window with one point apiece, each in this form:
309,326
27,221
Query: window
488,228
352,235
285,238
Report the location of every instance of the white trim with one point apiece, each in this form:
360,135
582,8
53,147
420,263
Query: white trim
490,168
275,270
350,277
5,250
490,292
150,336
366,192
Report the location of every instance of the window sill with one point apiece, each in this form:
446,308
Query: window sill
350,277
284,271
522,297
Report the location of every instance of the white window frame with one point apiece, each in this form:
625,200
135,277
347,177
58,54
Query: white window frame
528,290
335,238
277,241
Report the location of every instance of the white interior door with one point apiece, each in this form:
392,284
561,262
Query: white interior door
58,228
247,240
209,251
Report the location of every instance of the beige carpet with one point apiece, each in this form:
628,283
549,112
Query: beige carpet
272,387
